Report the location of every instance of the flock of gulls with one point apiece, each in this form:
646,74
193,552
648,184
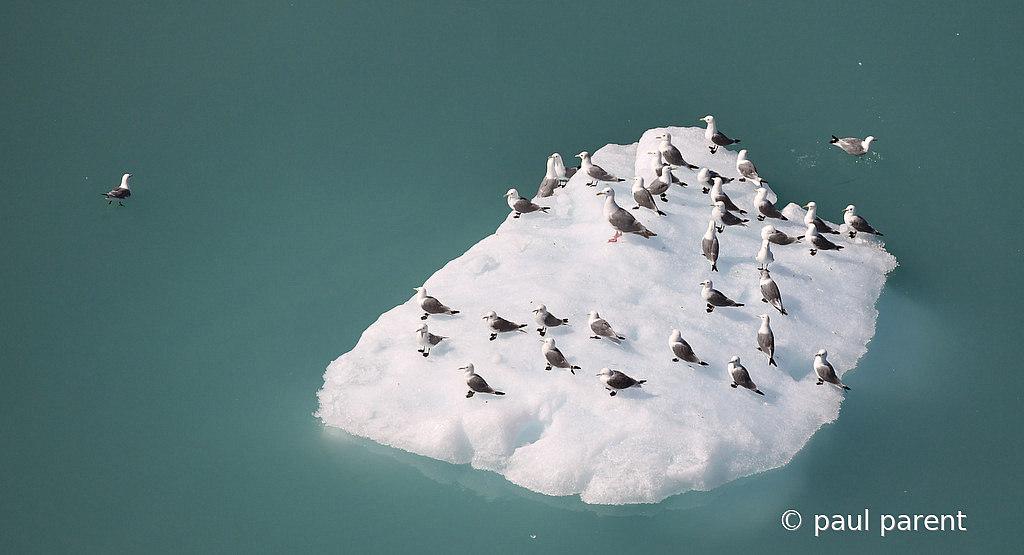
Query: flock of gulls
724,214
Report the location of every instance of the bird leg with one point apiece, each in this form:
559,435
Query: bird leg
612,393
541,331
517,215
615,238
853,234
720,229
760,218
494,336
814,252
711,308
664,198
548,367
471,392
713,149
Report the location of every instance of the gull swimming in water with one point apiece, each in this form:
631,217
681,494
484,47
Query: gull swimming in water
476,383
714,135
765,208
709,245
856,223
825,371
121,192
725,218
775,236
682,350
766,339
427,339
555,357
621,219
546,320
602,328
497,325
811,217
521,205
594,172
770,291
740,376
818,242
614,380
853,145
550,181
430,305
670,153
746,168
714,297
643,197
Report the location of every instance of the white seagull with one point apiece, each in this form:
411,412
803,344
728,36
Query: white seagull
853,145
120,193
825,371
715,136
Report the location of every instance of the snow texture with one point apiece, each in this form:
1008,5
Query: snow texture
562,434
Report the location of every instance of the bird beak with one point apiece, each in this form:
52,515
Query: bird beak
578,156
600,193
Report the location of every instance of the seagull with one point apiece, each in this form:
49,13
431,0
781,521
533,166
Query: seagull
724,218
546,320
426,339
714,135
614,380
856,223
595,172
714,297
765,208
602,328
717,194
770,291
659,186
740,376
811,217
746,168
704,177
766,340
555,357
825,371
853,145
709,245
818,242
775,236
122,192
563,173
643,197
620,219
550,181
658,167
521,205
765,256
682,350
497,324
670,153
476,383
430,305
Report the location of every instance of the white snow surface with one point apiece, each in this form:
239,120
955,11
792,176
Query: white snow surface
562,434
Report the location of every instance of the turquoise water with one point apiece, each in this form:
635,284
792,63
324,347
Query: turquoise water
159,362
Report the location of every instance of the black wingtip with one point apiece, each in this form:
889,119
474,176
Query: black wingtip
759,392
499,392
834,140
702,363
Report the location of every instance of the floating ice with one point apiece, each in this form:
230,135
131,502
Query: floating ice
562,434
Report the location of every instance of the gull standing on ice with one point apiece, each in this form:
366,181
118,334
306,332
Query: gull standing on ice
856,223
714,135
546,320
614,380
670,153
775,236
765,208
430,305
682,350
521,205
704,177
602,328
714,297
658,167
825,371
766,340
853,145
811,217
427,340
725,218
717,194
643,197
121,192
770,292
818,242
621,219
709,245
555,357
497,325
658,187
563,173
740,376
764,255
550,181
476,383
746,168
594,172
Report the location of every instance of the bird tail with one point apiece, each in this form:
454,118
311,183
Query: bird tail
846,388
834,140
453,312
499,392
641,382
714,267
759,392
702,363
648,233
771,362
